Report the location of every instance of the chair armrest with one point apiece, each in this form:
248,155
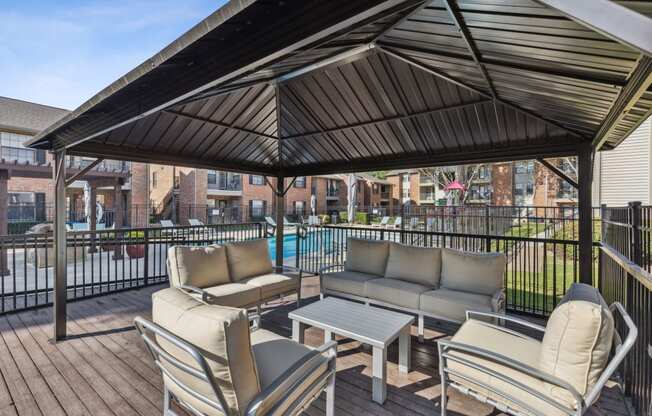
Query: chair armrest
285,268
193,289
445,346
498,301
326,268
508,318
254,322
293,377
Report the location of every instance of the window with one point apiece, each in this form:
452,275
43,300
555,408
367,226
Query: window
375,188
300,182
299,207
154,179
480,192
483,172
212,177
26,206
256,180
13,148
257,209
332,187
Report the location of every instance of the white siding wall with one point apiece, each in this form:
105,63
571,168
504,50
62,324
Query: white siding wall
624,173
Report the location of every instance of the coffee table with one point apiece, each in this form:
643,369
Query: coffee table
367,324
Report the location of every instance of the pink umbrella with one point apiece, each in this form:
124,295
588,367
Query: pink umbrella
455,186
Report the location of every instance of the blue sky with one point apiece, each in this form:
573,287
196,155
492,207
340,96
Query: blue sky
62,52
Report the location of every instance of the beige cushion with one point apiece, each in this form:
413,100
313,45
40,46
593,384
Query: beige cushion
420,265
273,284
274,355
235,295
366,256
248,258
481,273
523,349
394,291
222,334
198,266
346,282
578,339
453,304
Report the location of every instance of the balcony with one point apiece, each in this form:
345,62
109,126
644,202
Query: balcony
385,195
223,184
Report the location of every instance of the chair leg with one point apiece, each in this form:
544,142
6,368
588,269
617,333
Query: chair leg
330,396
259,310
167,411
444,397
299,297
420,330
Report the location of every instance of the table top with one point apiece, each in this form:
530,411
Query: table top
371,325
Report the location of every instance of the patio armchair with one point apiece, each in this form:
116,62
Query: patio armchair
563,374
213,362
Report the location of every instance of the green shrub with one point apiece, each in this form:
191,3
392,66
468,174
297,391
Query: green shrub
362,218
325,219
343,216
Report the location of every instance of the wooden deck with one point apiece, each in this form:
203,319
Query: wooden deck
103,368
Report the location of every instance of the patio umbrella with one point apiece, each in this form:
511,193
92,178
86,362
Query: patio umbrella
87,202
352,195
313,203
455,186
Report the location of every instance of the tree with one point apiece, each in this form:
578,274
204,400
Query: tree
442,176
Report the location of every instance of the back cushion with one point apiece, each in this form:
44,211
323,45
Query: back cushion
415,264
577,341
366,256
248,258
480,273
198,266
221,333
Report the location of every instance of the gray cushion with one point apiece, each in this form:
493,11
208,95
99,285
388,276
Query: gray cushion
453,304
235,295
248,258
346,282
481,273
197,266
273,284
366,256
394,291
420,265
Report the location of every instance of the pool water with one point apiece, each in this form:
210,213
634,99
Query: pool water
290,244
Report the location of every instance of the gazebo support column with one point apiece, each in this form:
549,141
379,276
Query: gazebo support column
585,211
60,274
117,216
280,214
92,220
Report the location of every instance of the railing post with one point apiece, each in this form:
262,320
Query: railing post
635,250
298,248
146,257
487,232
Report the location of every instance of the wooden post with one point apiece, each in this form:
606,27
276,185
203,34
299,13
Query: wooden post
585,180
118,215
60,270
280,213
92,220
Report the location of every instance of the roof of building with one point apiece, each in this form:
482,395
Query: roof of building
27,117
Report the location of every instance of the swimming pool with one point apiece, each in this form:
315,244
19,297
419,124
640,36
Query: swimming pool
290,243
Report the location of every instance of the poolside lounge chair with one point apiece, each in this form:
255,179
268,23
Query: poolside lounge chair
561,375
414,223
382,224
214,363
287,222
167,224
397,223
195,222
313,220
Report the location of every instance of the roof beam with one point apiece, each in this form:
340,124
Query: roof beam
554,169
84,171
386,120
420,6
219,124
639,81
611,19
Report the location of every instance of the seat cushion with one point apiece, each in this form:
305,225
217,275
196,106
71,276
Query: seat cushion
198,266
520,348
396,292
273,284
481,273
366,256
420,265
248,258
578,339
274,355
346,282
235,295
453,304
222,333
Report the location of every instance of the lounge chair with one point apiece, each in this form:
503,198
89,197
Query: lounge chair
214,362
270,223
313,220
382,224
561,375
195,222
414,223
397,223
287,222
167,224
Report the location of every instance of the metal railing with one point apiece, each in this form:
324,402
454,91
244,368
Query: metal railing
99,262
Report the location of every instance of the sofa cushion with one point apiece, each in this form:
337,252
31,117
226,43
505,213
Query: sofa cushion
273,284
453,304
346,282
235,295
420,265
366,256
481,273
248,258
222,333
394,291
578,339
198,266
274,355
517,347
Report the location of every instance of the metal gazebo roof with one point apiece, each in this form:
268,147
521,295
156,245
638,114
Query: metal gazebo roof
300,87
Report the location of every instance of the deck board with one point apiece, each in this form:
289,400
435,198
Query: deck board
104,369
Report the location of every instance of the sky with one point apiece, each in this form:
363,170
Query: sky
62,52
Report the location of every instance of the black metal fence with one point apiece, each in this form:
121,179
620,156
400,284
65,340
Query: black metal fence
99,262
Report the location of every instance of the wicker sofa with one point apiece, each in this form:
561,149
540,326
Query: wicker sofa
238,274
426,281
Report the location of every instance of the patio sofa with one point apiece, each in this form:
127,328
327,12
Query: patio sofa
238,274
426,281
213,362
556,370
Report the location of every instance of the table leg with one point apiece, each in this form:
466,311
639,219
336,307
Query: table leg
328,336
298,331
405,350
379,370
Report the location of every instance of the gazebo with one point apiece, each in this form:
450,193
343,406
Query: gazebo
295,87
